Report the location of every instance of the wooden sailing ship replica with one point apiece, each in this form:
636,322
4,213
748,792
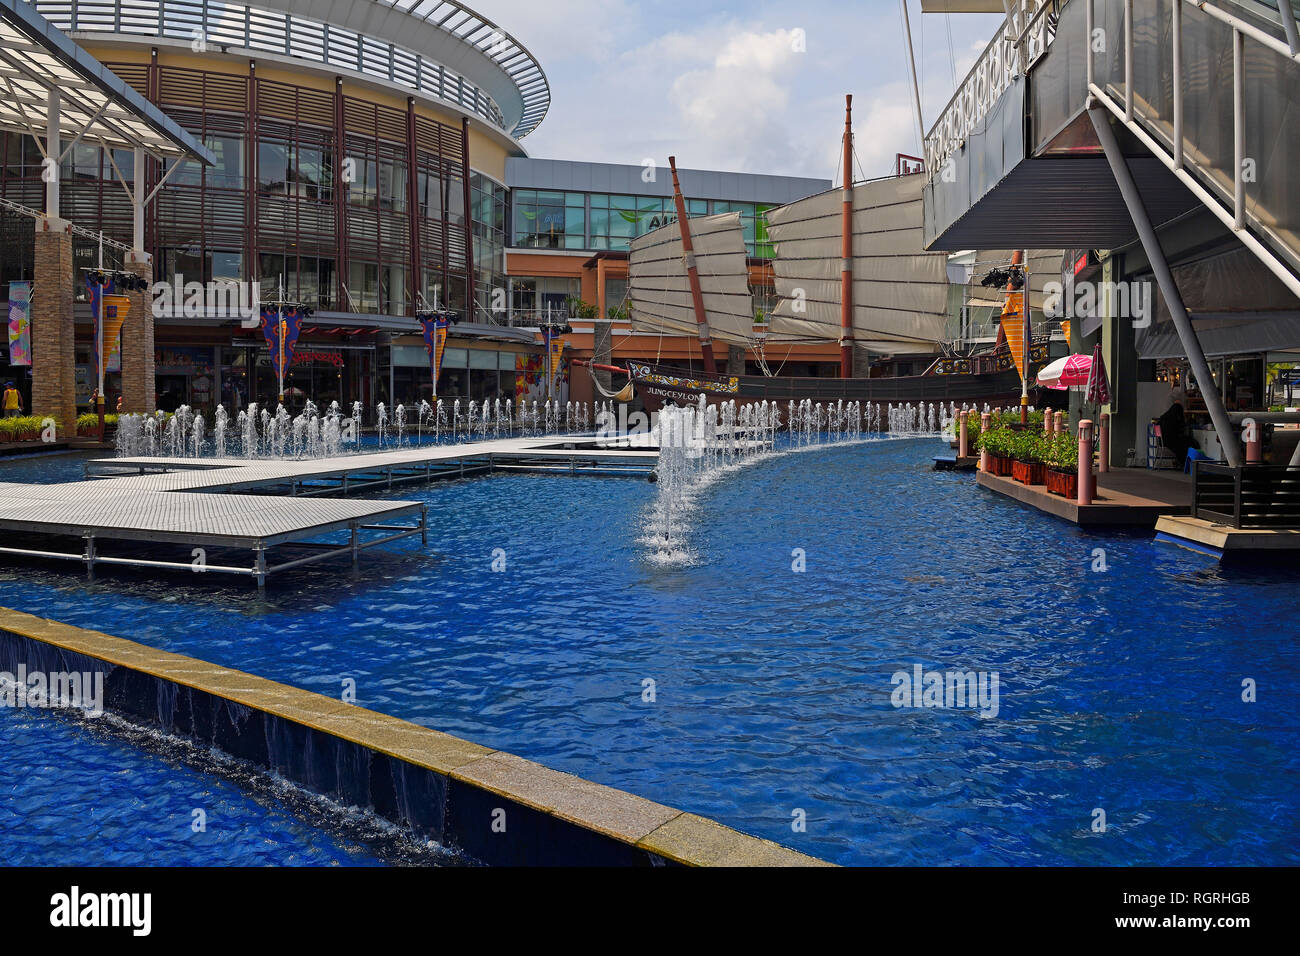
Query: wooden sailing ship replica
849,267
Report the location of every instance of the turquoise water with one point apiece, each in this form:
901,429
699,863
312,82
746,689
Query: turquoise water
1119,690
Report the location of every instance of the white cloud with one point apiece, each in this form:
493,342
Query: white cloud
720,85
734,109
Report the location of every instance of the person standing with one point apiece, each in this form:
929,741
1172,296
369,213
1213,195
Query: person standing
12,401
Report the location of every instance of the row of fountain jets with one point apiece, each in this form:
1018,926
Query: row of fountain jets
259,433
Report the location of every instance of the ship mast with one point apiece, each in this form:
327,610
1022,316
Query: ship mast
846,248
1028,337
692,273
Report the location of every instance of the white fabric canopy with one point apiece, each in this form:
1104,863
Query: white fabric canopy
900,291
659,291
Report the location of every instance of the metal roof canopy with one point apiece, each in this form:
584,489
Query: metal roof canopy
95,106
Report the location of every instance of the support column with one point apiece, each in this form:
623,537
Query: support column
735,360
1168,288
861,361
138,387
54,382
470,304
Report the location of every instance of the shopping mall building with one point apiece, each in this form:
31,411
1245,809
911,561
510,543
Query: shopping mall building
365,166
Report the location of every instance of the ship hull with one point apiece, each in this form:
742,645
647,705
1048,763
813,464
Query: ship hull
658,386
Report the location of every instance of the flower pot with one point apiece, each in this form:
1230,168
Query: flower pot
1027,472
1064,483
1001,467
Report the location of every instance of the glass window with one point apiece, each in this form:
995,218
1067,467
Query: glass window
228,171
315,172
577,200
392,185
575,222
273,174
227,265
455,192
324,283
184,265
363,286
270,269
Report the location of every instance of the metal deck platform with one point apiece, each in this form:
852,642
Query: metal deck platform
202,503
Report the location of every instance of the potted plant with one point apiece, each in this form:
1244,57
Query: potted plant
22,428
998,443
1062,475
1027,448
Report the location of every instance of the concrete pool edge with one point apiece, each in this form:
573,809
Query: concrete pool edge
451,790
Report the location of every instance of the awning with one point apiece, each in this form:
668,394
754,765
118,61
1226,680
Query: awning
96,107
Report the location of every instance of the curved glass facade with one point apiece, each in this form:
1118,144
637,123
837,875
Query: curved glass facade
550,219
219,25
351,205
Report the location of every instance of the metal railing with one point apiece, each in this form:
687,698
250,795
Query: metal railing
239,25
1249,496
1028,31
1229,207
1024,36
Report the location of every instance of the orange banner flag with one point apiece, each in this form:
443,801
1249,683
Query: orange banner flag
116,308
1013,327
1065,330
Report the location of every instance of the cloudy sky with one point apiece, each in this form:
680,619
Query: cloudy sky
746,86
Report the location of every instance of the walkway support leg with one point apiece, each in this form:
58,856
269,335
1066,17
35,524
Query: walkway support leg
1085,463
986,419
89,556
1103,444
1168,288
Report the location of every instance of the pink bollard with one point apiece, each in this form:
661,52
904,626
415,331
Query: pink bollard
1103,444
985,420
1254,443
1058,423
962,446
1085,463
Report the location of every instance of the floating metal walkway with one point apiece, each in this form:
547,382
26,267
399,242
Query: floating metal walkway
202,503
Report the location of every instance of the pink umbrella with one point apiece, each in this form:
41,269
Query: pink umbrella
1069,372
1098,386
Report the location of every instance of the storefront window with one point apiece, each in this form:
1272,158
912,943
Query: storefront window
186,375
549,220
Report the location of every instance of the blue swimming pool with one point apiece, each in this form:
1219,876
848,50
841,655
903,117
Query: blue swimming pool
78,793
1120,690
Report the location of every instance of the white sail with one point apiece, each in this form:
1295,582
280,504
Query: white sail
900,291
659,291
